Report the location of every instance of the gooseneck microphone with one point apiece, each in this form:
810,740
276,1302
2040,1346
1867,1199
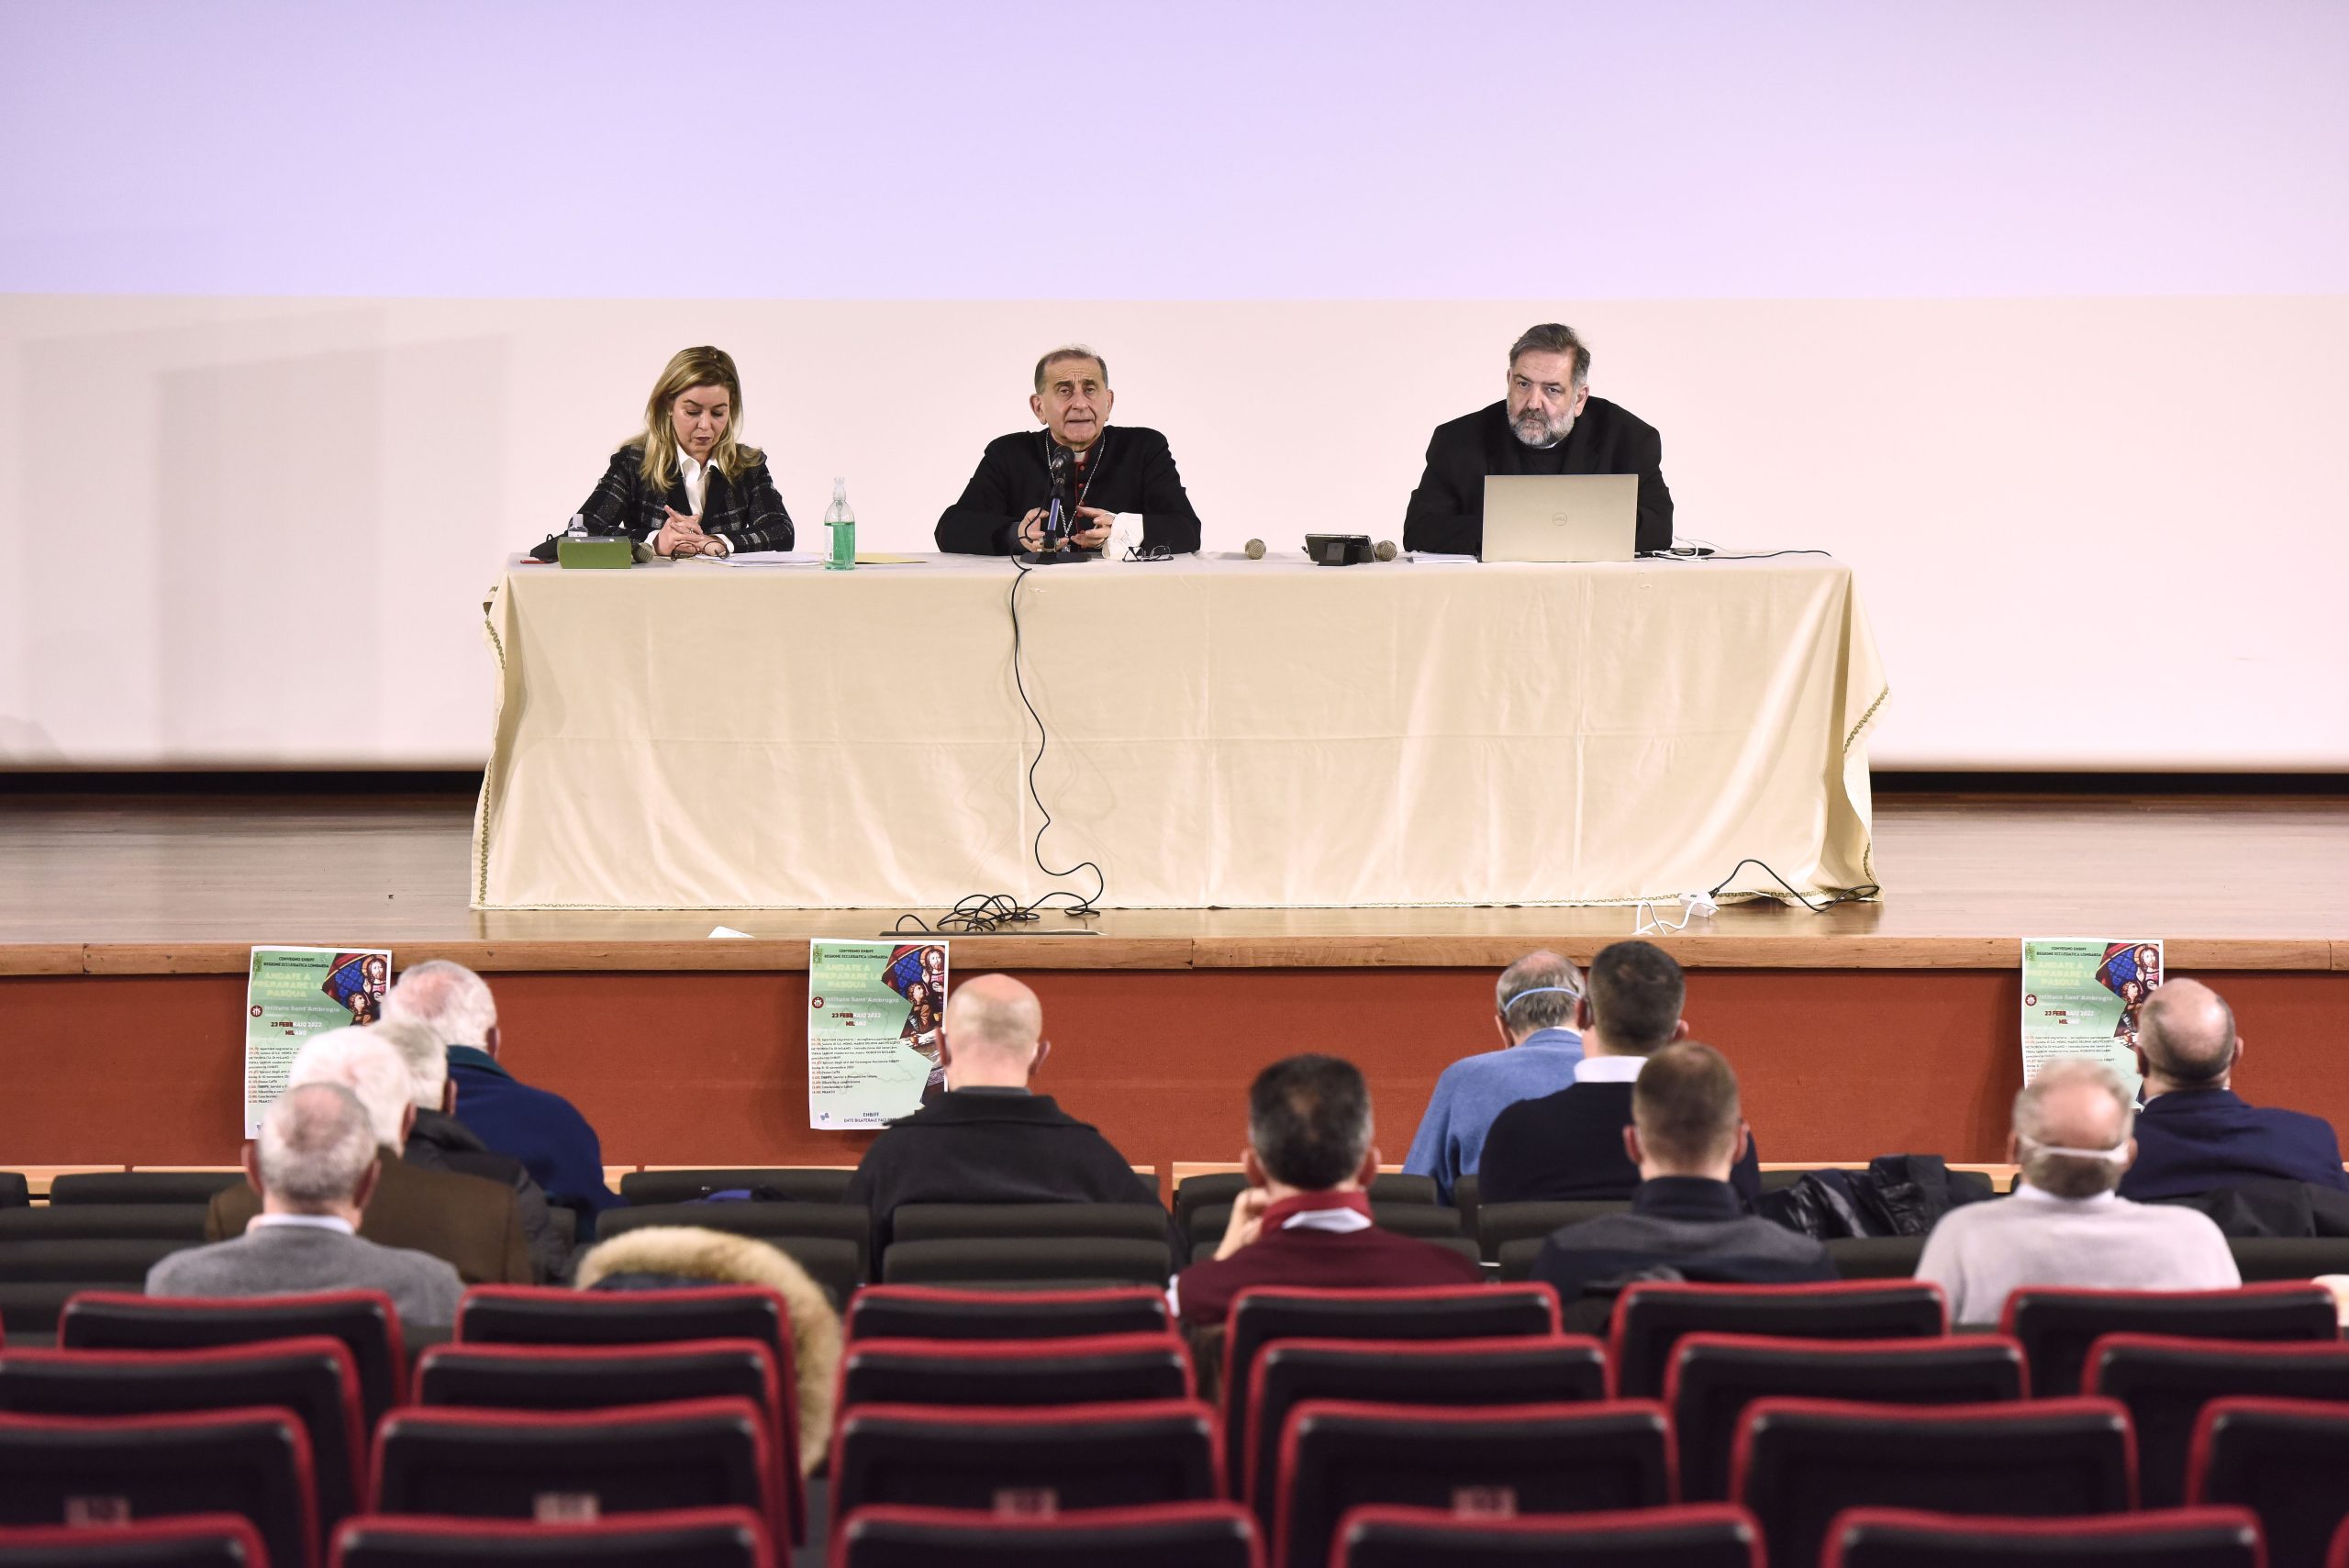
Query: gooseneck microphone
1061,521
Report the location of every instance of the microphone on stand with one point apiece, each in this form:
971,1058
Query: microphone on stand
1062,520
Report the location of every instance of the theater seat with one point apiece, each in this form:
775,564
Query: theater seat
1265,1313
679,1537
968,1221
180,1187
2165,1382
198,1540
1111,1368
591,1377
1165,1535
540,1314
1702,1535
1715,1376
38,1277
1532,1370
2286,1459
181,1222
791,1184
694,1454
1651,1317
1802,1461
1070,1261
2057,1326
364,1320
313,1378
1042,1459
1337,1455
2165,1538
1497,1224
930,1312
254,1463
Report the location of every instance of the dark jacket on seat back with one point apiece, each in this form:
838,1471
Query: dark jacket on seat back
989,1146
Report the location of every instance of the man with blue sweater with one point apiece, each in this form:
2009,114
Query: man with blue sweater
1534,1014
2196,1135
538,1127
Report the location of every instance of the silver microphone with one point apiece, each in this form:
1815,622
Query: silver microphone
1385,550
1255,547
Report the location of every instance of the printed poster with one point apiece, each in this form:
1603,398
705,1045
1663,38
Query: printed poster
291,993
874,1011
2081,998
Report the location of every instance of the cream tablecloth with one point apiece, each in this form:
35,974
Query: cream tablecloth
1224,732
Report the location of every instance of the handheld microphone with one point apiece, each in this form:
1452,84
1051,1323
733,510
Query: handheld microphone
1255,547
1385,550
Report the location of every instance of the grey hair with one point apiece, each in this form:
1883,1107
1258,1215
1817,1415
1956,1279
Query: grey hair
1521,1013
367,1066
2067,1175
315,1145
1070,352
448,998
1549,337
421,1055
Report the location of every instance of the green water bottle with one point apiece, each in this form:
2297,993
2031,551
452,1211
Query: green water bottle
842,522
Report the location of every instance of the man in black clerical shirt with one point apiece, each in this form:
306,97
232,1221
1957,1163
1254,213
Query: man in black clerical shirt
1549,423
1106,472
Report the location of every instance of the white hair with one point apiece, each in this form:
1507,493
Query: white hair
2070,1175
421,1055
447,998
369,1067
316,1144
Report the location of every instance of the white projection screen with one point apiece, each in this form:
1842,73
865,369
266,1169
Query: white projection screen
2035,312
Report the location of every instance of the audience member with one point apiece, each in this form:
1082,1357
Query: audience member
470,1223
989,1139
316,1166
536,1125
1570,1144
1534,1014
2065,1225
2196,1135
1305,1219
1687,1130
678,1257
438,1141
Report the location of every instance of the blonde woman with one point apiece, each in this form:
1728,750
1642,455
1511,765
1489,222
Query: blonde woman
687,486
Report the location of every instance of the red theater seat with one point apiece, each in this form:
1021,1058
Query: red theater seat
1267,1313
364,1320
252,1463
1715,1376
2056,1327
1106,1369
2286,1459
934,1312
198,1540
1701,1535
1802,1461
1651,1317
2165,1538
1050,1458
1530,1370
683,1538
1525,1459
1165,1535
2165,1382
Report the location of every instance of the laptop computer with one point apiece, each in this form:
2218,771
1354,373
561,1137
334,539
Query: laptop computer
1561,516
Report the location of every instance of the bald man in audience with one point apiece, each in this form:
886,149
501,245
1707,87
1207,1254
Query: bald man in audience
990,1137
469,1222
2065,1225
316,1166
2196,1135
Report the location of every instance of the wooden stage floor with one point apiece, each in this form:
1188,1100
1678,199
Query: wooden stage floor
135,884
1891,1027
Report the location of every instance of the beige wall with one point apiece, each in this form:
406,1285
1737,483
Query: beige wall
2091,533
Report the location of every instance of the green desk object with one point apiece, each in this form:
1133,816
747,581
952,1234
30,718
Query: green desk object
593,554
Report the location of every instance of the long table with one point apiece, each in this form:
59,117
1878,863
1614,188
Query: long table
1223,732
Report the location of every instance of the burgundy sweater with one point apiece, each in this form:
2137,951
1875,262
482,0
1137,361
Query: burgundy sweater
1366,1259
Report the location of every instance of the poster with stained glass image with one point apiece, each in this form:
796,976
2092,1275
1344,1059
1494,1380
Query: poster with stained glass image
2081,998
291,993
873,1015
